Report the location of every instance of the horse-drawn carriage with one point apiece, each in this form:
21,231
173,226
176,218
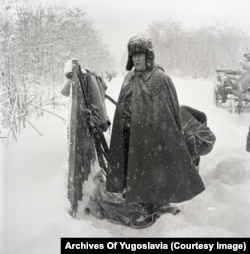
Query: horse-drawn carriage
232,89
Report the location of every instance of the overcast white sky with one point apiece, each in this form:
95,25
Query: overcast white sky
118,20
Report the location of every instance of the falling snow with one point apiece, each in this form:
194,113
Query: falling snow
34,205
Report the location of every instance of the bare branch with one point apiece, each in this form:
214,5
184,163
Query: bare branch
33,127
49,112
12,120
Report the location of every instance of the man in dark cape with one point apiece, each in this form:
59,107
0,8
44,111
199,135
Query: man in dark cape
149,160
111,206
155,147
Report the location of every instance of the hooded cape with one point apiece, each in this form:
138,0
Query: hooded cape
157,167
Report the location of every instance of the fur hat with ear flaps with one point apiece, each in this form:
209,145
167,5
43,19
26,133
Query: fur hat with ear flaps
139,45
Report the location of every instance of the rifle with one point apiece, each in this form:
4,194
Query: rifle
117,105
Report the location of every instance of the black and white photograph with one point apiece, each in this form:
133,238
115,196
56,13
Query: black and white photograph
123,119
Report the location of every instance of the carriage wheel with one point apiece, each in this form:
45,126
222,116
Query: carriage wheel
239,109
239,106
216,97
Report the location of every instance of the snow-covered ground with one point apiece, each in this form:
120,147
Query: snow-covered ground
34,206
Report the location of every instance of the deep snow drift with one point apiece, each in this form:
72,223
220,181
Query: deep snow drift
34,208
